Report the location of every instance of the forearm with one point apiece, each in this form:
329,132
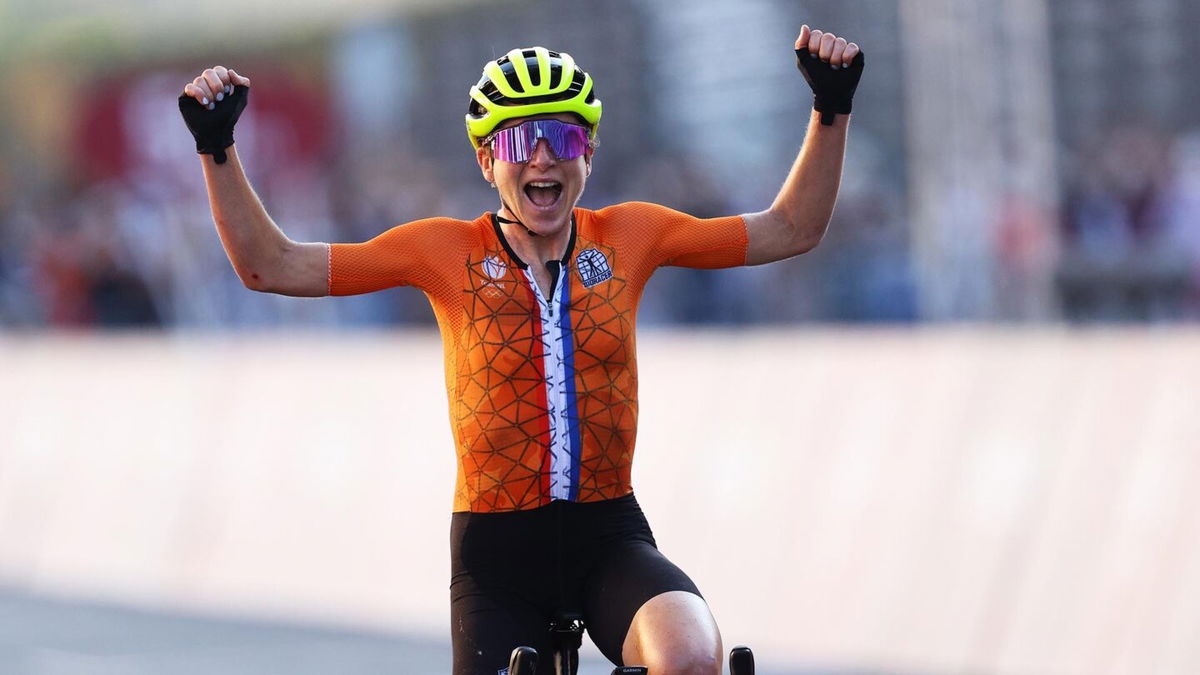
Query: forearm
806,200
797,219
799,216
255,245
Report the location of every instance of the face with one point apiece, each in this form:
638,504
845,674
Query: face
542,191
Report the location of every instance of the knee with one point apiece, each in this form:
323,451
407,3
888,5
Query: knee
674,634
685,662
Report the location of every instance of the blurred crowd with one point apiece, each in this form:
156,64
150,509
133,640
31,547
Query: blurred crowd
127,240
136,247
970,212
1131,228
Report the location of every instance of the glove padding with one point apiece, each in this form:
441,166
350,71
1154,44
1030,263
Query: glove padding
213,129
833,88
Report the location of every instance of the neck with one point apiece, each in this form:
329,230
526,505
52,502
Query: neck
533,247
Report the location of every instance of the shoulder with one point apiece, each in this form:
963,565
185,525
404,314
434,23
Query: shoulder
438,230
634,210
448,226
633,217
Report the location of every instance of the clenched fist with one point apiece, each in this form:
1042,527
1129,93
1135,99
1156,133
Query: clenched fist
832,68
211,105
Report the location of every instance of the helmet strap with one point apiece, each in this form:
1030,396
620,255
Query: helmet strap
502,219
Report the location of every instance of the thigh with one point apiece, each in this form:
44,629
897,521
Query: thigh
499,598
486,627
620,585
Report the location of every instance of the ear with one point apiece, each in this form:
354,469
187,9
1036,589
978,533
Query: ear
483,155
587,160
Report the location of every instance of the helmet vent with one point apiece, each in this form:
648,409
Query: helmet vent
535,72
577,82
510,74
492,92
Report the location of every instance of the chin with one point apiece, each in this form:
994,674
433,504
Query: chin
547,226
546,221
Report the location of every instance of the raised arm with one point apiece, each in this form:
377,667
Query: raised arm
797,219
262,255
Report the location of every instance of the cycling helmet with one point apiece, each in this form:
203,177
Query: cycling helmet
530,81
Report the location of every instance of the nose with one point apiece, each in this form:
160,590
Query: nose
542,154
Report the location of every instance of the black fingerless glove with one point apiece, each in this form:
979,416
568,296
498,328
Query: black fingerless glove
213,129
833,88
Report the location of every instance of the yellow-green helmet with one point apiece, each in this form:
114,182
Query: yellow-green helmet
530,81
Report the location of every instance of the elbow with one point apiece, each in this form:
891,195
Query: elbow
264,273
810,241
799,232
808,236
254,281
776,235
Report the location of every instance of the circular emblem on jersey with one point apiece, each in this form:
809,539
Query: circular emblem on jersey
593,267
494,267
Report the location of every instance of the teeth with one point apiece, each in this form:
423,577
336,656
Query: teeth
543,184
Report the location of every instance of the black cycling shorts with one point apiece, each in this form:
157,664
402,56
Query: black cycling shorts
512,571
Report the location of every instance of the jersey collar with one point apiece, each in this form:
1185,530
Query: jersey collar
517,259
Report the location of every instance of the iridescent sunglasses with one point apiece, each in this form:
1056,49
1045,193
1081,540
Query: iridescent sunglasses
516,144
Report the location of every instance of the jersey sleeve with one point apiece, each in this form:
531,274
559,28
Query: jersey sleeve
422,254
680,240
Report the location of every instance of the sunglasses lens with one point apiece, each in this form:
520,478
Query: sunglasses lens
508,145
566,140
516,144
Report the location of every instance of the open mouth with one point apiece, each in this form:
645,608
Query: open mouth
543,193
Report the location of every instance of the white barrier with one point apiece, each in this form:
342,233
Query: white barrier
954,500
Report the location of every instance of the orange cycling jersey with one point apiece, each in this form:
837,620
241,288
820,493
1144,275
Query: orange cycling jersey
542,390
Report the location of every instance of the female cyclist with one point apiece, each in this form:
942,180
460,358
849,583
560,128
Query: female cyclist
537,304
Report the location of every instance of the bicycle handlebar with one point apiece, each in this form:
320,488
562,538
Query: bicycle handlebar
567,629
523,661
741,661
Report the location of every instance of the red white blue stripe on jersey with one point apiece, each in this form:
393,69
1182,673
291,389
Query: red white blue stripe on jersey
558,368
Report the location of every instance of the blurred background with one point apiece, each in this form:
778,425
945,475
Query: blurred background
198,478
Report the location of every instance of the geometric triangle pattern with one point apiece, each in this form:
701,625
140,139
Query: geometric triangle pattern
505,357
